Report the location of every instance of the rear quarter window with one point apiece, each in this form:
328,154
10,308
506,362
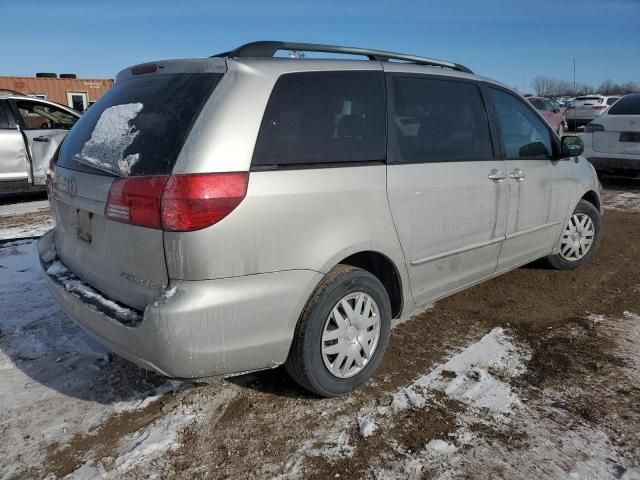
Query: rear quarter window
629,105
323,118
139,126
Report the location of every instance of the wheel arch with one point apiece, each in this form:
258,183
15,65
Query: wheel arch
593,198
385,270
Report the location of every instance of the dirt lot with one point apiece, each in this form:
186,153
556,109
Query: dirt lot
534,374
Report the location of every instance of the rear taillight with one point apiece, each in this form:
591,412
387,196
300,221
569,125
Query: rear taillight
136,200
195,201
176,203
599,107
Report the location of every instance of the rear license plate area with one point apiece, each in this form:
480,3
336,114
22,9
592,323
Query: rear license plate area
630,137
83,225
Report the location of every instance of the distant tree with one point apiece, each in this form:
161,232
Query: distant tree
629,87
551,87
543,85
607,87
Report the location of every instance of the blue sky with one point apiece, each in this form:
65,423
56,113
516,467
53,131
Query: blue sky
511,41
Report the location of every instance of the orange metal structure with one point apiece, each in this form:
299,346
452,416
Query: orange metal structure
57,89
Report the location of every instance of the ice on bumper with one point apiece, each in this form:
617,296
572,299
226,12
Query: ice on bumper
72,284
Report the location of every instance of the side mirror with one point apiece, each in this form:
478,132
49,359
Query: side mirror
572,146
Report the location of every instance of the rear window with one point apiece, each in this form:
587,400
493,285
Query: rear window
612,100
629,105
323,118
139,126
589,98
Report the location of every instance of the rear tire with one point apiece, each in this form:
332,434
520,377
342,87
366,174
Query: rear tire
342,333
580,238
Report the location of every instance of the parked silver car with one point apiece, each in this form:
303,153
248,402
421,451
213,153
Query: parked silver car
31,130
221,215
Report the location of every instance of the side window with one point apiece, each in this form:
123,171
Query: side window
537,103
36,116
4,120
551,106
524,135
323,117
435,120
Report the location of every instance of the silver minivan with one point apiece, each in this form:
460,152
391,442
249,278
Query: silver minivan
228,214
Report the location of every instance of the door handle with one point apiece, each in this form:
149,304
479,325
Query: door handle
496,175
517,175
40,139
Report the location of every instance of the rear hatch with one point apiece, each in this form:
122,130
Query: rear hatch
587,107
127,142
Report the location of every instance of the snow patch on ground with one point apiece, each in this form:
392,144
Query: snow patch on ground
26,231
469,377
55,381
23,207
622,200
558,444
112,135
333,444
139,450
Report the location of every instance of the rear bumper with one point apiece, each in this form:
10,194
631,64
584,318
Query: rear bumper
615,163
199,328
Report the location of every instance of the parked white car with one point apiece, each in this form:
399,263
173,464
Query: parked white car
584,109
31,129
612,142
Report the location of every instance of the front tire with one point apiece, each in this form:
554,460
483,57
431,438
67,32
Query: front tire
342,333
580,238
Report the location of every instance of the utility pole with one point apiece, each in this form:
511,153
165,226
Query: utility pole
574,76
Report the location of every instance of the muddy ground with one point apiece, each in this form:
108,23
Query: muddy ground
576,412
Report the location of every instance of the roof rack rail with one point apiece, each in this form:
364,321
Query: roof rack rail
269,48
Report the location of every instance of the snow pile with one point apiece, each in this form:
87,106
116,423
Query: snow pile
112,135
366,427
